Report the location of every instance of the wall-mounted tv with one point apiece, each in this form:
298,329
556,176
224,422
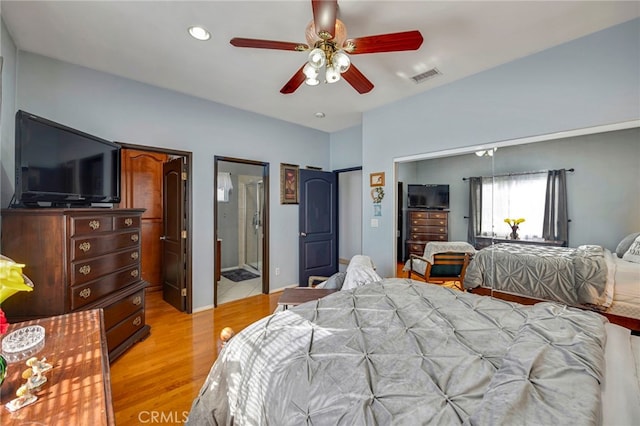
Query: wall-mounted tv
432,196
59,166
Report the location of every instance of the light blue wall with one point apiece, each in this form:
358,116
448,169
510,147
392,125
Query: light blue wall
591,81
346,148
7,118
123,110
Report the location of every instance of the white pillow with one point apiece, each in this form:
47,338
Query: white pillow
633,254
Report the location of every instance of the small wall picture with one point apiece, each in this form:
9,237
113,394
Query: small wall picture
289,183
376,179
377,209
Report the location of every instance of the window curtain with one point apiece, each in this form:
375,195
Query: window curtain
475,209
556,220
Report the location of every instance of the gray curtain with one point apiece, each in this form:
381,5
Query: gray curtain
556,219
475,209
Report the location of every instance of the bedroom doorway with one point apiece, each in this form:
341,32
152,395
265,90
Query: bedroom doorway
241,212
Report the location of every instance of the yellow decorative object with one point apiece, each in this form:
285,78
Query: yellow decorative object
514,224
12,280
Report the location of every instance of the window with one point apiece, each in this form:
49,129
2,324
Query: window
513,196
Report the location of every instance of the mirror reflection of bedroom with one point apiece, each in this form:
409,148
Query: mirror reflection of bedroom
588,215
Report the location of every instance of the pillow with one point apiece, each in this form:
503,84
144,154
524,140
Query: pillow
626,243
359,275
633,254
334,282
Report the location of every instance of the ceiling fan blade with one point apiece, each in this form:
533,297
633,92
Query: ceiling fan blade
324,17
268,44
295,82
393,42
356,79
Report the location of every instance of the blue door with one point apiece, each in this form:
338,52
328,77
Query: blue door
318,236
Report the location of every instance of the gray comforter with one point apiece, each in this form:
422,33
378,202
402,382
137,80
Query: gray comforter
575,276
401,352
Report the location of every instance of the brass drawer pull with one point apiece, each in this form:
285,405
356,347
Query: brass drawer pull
134,273
94,224
85,246
128,221
85,270
135,238
134,255
137,321
137,300
85,293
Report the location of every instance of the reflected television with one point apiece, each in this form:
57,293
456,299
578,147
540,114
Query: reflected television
429,196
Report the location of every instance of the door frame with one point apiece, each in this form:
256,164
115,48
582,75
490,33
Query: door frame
265,226
187,155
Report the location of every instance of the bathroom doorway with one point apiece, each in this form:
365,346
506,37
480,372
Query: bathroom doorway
241,229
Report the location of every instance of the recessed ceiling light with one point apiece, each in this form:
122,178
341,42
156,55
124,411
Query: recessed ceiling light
319,114
199,33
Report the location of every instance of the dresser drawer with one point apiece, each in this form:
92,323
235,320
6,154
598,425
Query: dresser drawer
120,310
126,222
418,230
90,225
84,294
416,248
428,222
124,329
91,246
91,269
428,215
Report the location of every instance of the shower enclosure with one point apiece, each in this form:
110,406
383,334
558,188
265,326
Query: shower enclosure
250,221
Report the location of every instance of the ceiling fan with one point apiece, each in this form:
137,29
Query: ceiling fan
330,49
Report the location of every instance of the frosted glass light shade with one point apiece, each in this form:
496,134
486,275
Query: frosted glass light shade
312,81
332,75
317,58
310,72
341,61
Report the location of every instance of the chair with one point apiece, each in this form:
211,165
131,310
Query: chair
445,267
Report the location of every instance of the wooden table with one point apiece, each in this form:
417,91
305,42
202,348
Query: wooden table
298,295
78,388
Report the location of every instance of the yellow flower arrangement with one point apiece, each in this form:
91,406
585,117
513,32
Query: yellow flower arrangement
12,280
514,224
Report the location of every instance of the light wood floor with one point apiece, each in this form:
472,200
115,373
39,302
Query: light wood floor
159,377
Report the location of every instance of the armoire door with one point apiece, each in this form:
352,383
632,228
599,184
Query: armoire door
142,188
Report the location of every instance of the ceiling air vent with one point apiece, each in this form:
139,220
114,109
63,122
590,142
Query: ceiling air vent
419,78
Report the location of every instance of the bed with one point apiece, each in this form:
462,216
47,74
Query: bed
401,352
588,276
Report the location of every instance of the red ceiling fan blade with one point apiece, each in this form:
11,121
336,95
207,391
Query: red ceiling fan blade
356,79
295,82
324,17
393,42
268,44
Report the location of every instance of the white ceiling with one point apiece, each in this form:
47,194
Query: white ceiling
147,41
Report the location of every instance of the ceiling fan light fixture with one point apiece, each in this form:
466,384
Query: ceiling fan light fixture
341,61
310,72
312,81
199,33
332,74
317,58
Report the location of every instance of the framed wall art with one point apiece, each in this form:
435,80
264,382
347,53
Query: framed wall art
376,179
289,183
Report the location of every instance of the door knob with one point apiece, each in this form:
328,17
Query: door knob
303,234
163,237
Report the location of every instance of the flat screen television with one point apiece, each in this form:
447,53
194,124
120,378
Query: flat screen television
58,166
434,197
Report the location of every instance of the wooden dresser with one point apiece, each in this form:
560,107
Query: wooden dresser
424,226
79,259
78,388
